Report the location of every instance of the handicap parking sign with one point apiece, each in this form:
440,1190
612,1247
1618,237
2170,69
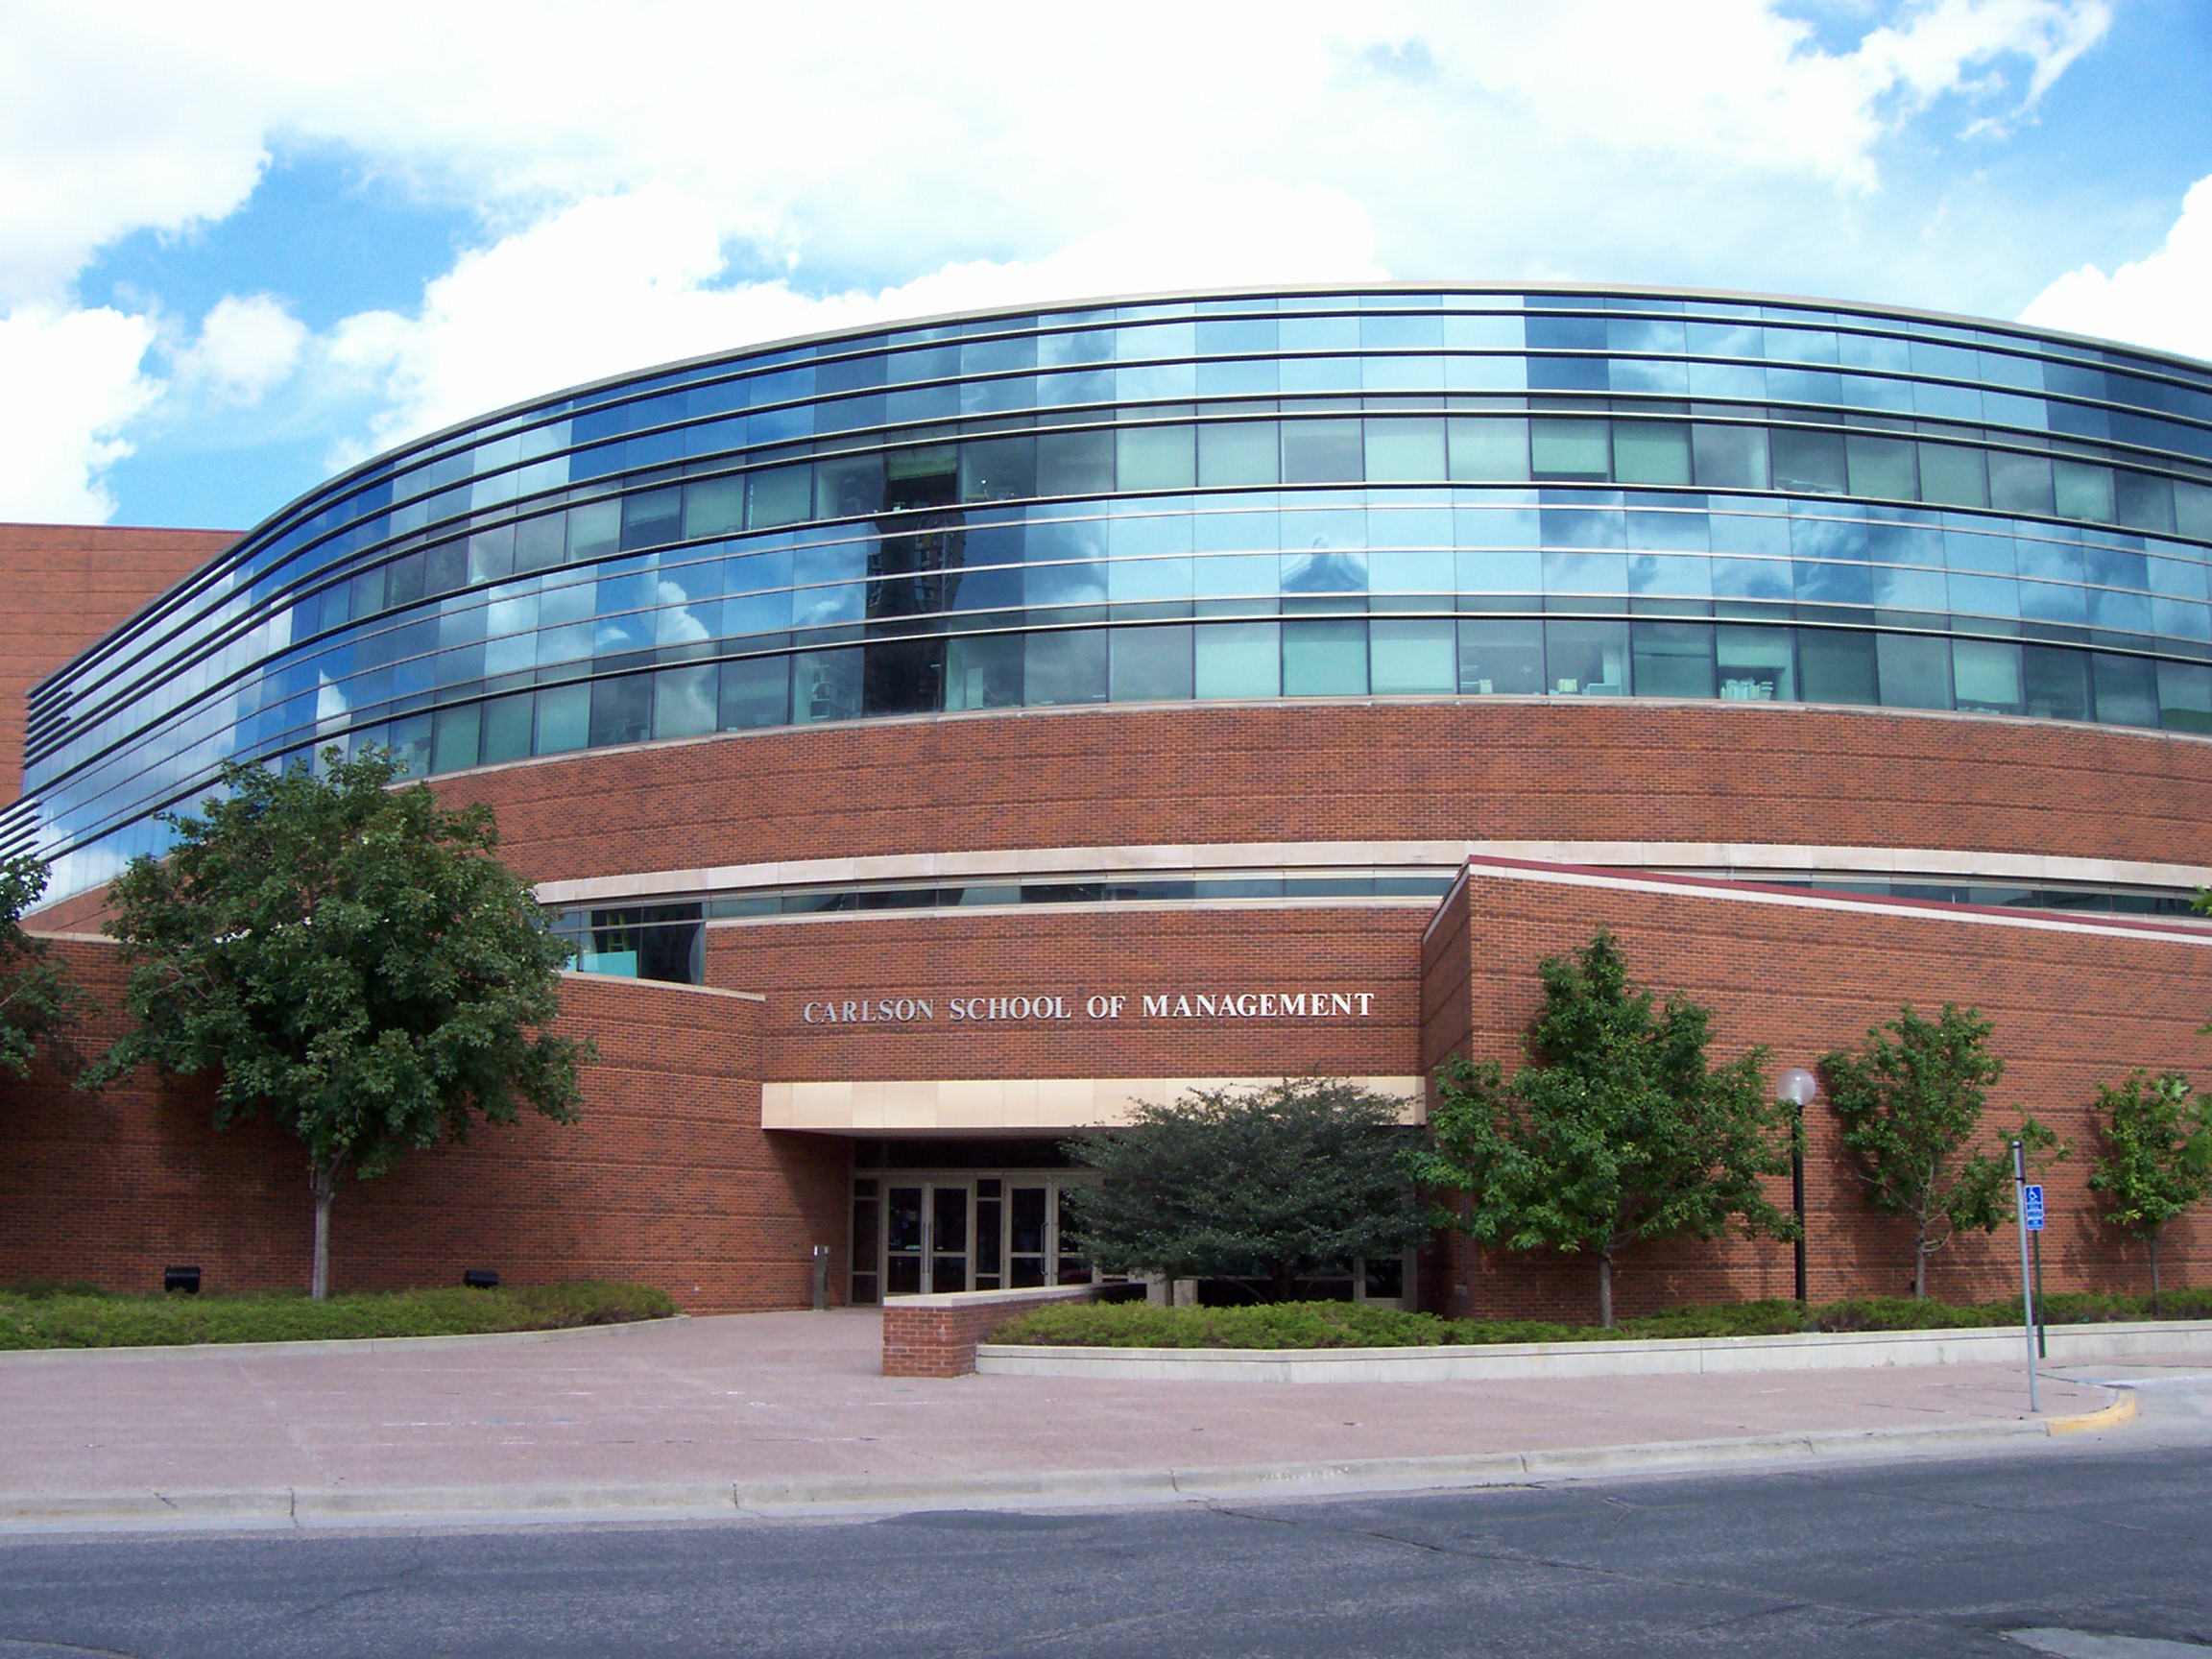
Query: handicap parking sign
2032,1207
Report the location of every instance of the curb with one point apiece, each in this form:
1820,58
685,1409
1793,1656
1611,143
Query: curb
335,1344
1079,1488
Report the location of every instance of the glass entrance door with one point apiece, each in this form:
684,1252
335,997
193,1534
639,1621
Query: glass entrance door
948,1236
959,1230
902,1216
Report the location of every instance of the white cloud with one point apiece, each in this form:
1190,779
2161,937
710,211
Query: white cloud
246,348
73,382
2161,300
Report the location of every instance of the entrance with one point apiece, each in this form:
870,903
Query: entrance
942,1230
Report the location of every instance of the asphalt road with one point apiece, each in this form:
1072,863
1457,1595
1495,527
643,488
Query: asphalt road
1931,1558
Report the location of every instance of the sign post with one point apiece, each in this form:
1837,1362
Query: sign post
2032,1212
2020,1192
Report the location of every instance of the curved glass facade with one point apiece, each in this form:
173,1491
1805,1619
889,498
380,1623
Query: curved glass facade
1343,493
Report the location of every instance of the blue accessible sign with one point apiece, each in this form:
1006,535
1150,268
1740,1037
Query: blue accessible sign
2032,1207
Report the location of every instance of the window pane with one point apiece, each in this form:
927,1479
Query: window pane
1405,452
564,718
1586,659
984,673
685,701
1915,670
2083,490
826,685
1075,463
2056,683
1571,449
2193,511
541,543
1839,668
1985,675
2020,483
2144,503
1673,658
1485,451
1238,659
2185,696
1150,664
621,710
1882,467
756,692
506,730
1411,657
595,531
1757,664
1155,458
1500,657
1808,463
1952,474
1729,457
1064,667
652,518
1321,452
1325,658
850,486
779,495
1236,454
2126,689
998,469
1650,452
454,739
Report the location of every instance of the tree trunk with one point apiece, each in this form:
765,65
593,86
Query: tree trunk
324,1184
1920,1268
2154,1243
1279,1281
1605,1291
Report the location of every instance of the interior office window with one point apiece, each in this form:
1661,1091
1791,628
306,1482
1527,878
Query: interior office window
779,496
564,718
2126,689
2054,683
540,542
1075,463
1672,658
1986,676
1838,667
998,469
1808,463
2084,492
455,737
1405,450
1729,457
652,518
1154,458
1953,475
686,700
2185,696
2193,511
755,693
826,685
1757,664
1884,467
1064,667
506,730
1566,448
1149,664
845,487
983,672
2020,483
1322,452
1651,451
2143,502
1237,659
1500,657
409,740
1915,670
621,710
1586,659
1411,655
1325,657
1238,454
595,531
1488,450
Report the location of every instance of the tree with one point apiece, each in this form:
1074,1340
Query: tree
1910,1101
1296,1177
1619,1129
349,957
37,994
2158,1137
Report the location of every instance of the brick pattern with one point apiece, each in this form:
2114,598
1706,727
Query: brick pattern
1472,769
2070,1011
925,1337
68,584
667,1180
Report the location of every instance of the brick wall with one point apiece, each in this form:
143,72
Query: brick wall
2072,1010
668,1179
936,1336
67,586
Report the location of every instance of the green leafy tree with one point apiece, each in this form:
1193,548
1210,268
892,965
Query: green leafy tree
2157,1160
1619,1129
350,958
37,994
1910,1101
1297,1177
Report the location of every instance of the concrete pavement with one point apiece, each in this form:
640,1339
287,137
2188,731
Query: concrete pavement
788,1412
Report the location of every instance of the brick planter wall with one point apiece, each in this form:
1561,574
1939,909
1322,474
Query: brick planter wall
936,1336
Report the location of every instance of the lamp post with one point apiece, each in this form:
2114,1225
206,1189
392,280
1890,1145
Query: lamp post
1797,1087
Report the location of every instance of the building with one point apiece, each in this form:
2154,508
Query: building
953,732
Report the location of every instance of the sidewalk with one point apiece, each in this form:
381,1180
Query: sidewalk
786,1411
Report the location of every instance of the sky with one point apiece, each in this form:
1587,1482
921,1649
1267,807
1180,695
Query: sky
244,245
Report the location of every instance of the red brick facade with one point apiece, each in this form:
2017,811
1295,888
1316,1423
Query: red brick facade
937,1335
